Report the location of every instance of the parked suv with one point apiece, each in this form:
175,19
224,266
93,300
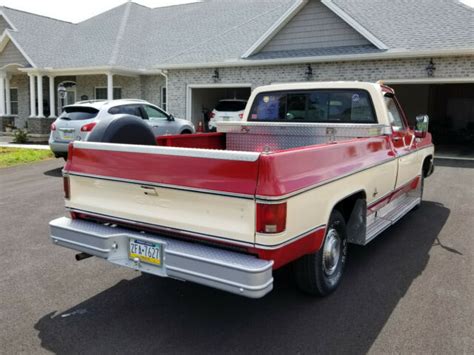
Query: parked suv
227,110
77,121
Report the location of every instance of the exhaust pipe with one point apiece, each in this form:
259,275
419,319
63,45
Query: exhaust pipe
82,256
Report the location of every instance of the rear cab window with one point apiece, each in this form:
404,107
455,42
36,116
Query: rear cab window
231,106
321,106
78,113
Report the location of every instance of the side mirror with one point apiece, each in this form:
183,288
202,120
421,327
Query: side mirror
171,118
422,124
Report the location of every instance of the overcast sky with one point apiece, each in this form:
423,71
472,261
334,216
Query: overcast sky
76,11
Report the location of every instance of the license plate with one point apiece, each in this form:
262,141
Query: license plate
68,135
226,118
150,253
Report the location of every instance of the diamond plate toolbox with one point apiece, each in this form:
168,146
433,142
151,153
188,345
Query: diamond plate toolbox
262,136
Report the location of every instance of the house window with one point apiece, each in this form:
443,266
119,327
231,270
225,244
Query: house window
164,103
101,93
14,101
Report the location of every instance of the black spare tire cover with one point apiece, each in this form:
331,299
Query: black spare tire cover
125,129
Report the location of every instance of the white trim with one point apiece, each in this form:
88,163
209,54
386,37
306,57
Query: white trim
12,65
177,152
390,54
52,97
354,24
7,33
39,93
190,87
92,71
2,13
275,28
429,81
8,106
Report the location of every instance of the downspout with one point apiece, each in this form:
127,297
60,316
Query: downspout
165,74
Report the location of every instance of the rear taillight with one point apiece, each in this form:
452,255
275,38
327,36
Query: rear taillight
241,115
271,218
53,127
67,187
88,127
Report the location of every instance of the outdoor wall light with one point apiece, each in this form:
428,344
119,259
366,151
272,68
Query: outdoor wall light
61,91
216,76
430,69
309,72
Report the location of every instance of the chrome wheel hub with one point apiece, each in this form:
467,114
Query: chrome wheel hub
331,252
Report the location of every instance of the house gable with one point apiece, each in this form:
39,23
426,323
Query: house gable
11,55
315,26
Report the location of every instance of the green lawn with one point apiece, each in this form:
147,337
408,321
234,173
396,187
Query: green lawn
16,156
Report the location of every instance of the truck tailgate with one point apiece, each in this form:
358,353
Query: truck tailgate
208,193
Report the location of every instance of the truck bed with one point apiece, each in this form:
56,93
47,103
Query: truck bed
271,137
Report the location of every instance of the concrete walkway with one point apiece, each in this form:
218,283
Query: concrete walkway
25,146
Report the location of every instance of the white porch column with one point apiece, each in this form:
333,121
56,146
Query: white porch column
2,94
32,96
110,86
40,96
52,98
7,94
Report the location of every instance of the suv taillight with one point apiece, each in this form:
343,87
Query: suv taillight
88,127
67,187
53,127
271,218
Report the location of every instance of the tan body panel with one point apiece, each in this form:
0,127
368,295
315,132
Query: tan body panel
215,215
312,208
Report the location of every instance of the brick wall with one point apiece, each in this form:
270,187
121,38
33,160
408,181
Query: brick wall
447,67
86,84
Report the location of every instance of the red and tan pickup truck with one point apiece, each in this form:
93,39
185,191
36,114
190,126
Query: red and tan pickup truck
311,168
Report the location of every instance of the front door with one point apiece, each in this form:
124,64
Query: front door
403,140
159,121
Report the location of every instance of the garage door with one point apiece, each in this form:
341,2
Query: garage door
205,99
451,110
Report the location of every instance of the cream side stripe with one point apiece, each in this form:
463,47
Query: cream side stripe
164,186
178,152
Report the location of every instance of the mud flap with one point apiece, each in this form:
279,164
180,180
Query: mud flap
357,223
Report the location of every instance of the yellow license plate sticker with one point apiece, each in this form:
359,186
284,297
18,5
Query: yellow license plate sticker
150,253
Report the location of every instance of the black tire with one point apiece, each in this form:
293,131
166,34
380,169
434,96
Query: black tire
319,274
123,129
186,131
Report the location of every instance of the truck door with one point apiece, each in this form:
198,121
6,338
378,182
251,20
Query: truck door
403,140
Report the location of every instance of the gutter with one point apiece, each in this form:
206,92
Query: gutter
390,54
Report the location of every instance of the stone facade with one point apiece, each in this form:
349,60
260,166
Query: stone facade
140,87
151,88
446,67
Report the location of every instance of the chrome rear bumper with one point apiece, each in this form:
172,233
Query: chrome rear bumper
230,271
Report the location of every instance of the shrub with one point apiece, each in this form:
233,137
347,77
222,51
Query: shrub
20,136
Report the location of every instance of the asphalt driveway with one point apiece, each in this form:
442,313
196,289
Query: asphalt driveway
410,291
